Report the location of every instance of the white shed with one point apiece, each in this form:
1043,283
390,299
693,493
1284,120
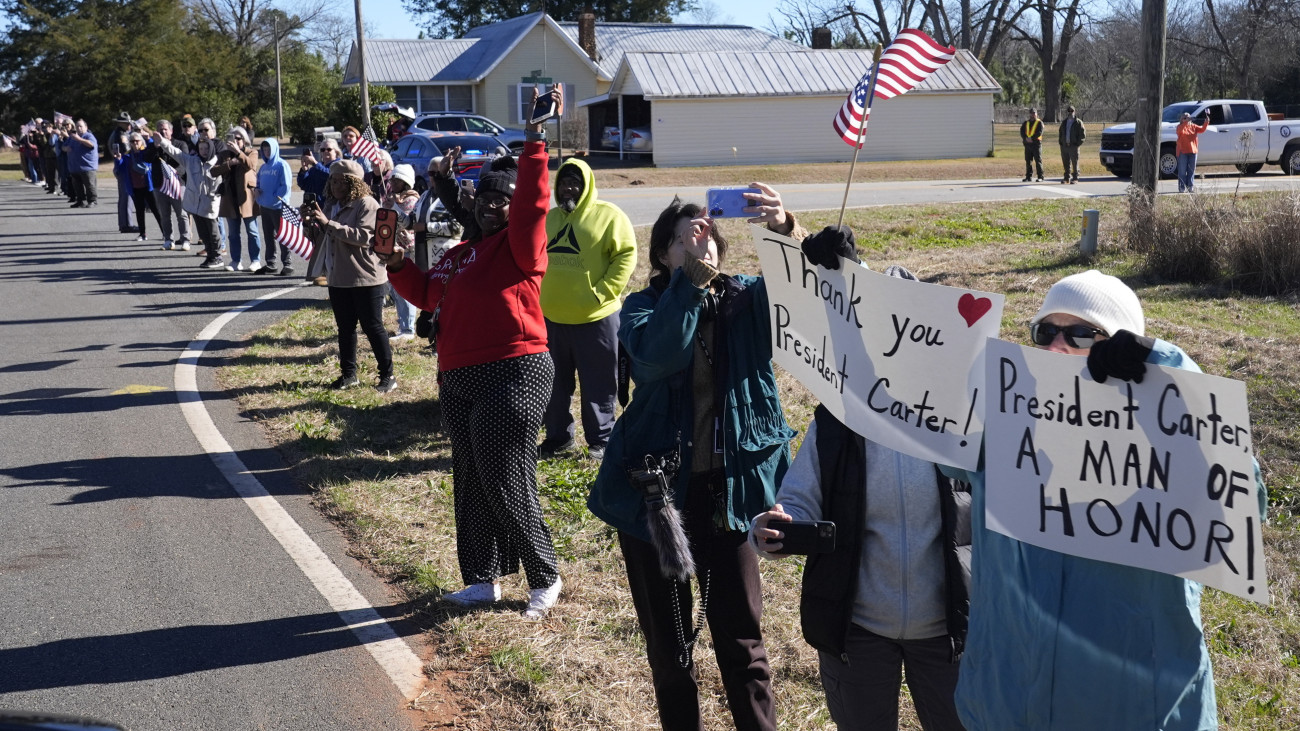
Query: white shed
762,107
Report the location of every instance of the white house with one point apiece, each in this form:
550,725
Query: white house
709,94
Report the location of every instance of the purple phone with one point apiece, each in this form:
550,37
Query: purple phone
728,202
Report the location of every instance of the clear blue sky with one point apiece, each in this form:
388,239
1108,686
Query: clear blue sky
390,20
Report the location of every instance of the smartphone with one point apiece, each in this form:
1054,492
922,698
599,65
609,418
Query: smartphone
309,199
728,202
805,537
467,186
117,149
544,109
385,231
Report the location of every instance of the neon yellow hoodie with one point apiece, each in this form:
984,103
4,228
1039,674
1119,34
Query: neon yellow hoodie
592,253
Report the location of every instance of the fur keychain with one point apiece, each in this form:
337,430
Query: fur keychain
663,520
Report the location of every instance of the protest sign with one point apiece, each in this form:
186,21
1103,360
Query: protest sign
1158,475
899,362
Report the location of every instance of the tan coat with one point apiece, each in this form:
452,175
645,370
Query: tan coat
238,179
352,263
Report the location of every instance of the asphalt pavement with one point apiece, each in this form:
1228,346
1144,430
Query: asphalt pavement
135,585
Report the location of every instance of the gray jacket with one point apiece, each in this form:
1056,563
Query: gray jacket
202,189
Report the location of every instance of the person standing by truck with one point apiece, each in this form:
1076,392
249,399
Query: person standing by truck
1188,131
1031,135
1071,137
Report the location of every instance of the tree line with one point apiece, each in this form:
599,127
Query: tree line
164,58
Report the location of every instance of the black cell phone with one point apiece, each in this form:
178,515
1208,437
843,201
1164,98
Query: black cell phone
805,537
544,109
309,199
117,149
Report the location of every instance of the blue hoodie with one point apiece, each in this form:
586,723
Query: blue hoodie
273,178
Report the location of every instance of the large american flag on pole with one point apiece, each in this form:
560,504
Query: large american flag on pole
367,146
911,58
289,232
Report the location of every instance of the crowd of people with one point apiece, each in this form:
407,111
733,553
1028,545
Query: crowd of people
696,476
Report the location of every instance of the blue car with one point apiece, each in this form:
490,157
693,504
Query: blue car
418,148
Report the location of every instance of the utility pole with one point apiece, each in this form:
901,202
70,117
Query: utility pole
1150,87
361,67
279,98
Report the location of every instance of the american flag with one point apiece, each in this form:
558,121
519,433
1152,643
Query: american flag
171,185
907,62
367,146
60,117
289,233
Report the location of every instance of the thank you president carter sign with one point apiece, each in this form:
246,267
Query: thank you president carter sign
1158,475
900,362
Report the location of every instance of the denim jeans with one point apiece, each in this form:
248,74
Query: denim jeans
236,245
1186,171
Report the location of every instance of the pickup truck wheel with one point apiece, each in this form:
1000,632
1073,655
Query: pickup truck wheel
1250,169
1168,163
1291,160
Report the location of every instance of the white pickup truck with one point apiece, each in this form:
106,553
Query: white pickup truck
1241,133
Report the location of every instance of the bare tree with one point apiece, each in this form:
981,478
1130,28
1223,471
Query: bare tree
251,24
1053,52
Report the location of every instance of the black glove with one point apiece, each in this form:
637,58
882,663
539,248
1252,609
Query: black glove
825,247
1123,355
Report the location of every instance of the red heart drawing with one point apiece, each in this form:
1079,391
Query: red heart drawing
972,309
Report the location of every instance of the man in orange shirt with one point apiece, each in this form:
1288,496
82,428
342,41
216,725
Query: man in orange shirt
1187,134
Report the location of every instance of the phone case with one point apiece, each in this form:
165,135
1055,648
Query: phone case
806,537
544,109
727,202
385,231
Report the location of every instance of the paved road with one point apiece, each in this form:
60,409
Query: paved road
644,204
134,585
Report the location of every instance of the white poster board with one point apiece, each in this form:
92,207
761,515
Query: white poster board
1158,475
899,362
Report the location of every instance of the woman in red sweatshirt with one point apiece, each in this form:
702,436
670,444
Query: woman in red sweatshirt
495,376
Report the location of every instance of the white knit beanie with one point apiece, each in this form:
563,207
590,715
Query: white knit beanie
1098,298
404,173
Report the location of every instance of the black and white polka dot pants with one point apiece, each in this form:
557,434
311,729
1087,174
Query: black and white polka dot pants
493,413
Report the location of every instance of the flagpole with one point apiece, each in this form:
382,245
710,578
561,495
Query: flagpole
862,130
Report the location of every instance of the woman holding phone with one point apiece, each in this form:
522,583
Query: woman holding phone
695,457
495,375
357,280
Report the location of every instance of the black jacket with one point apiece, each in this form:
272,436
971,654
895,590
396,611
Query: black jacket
830,579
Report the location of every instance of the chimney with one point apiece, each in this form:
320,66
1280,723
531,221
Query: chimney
821,38
587,32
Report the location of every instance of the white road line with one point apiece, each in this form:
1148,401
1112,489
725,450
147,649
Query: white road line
397,659
1062,191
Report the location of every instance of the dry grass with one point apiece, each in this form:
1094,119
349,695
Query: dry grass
381,468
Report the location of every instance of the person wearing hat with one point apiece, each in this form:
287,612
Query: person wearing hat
402,199
592,251
273,190
1186,149
357,280
495,375
1063,642
119,144
1071,136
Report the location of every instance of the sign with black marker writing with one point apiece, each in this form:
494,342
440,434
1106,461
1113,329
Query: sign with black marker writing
899,362
1158,475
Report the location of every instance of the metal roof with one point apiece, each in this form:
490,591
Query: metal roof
416,61
682,75
613,40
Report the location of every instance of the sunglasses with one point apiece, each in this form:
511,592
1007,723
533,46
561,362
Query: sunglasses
1076,336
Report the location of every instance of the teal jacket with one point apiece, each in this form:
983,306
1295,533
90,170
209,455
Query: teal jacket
657,330
1059,642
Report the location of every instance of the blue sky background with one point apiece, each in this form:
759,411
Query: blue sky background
390,20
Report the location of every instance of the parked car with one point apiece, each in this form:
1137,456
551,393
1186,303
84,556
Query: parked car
638,139
418,148
472,123
1241,133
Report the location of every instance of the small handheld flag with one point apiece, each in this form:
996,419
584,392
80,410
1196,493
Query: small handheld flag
367,146
289,232
171,185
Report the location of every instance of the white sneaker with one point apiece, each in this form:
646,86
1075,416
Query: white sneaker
540,601
185,246
167,244
475,594
234,266
400,337
254,267
242,267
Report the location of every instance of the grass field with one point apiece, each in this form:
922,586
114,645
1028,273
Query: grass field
380,467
